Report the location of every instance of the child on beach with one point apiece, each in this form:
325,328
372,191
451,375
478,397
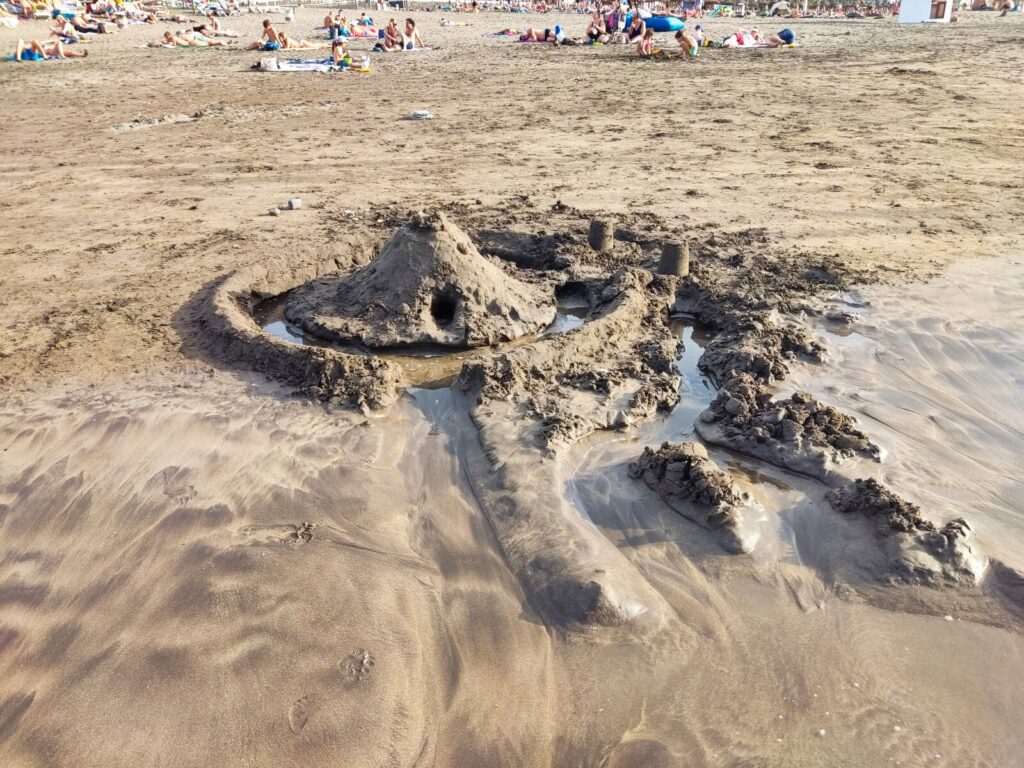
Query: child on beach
687,44
646,47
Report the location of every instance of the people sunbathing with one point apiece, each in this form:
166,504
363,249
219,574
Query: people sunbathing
270,40
407,40
288,44
411,36
392,39
532,35
52,49
212,28
780,38
185,39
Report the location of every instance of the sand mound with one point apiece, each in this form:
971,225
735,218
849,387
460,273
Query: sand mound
690,483
920,551
429,285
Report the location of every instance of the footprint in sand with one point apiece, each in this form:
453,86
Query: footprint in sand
176,485
299,713
357,666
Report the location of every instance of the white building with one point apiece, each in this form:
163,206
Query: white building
920,11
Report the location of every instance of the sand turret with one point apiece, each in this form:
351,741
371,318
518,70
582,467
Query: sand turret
429,285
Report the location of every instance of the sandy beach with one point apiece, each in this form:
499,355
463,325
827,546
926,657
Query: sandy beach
226,540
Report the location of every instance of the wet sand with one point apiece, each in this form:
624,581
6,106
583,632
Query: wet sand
197,567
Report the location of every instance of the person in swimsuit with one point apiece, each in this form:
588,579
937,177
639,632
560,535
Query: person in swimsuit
392,39
597,32
636,31
782,37
36,51
687,44
411,36
532,35
288,43
269,40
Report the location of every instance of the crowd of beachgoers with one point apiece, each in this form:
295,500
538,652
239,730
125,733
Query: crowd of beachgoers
73,22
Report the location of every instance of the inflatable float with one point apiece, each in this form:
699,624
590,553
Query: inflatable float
660,23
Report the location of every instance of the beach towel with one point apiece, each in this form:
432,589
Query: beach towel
304,65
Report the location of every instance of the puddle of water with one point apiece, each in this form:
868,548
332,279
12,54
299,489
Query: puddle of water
427,366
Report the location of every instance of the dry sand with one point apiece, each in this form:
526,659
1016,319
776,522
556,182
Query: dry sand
197,568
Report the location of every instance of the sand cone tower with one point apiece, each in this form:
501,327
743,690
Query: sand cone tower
429,285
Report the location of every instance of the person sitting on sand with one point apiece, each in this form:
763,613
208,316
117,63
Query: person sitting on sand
780,38
636,30
392,39
411,37
364,20
645,48
53,49
597,32
339,50
687,44
700,36
270,40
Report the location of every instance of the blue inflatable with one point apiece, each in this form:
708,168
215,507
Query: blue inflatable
660,23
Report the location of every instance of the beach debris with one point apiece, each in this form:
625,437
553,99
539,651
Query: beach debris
601,235
294,203
274,212
690,483
420,114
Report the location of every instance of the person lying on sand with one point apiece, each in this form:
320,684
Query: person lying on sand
212,28
63,29
270,40
532,35
687,44
23,8
287,43
744,39
53,49
780,38
185,39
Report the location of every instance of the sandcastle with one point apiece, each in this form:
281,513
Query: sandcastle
429,285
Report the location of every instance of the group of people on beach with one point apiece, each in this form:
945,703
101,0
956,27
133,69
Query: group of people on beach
610,24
